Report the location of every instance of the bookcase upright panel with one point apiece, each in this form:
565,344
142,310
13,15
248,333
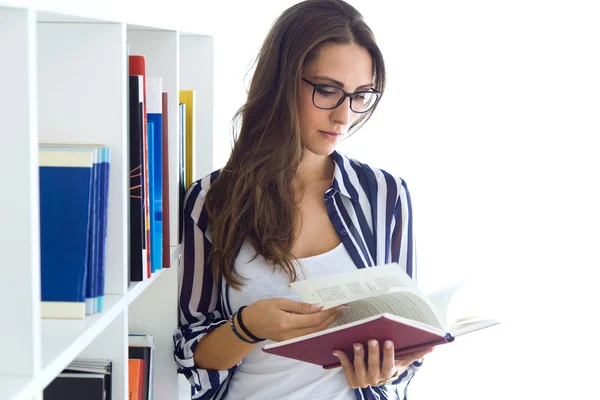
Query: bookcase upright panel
196,72
19,232
111,344
82,100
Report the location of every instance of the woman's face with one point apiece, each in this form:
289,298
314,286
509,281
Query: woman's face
346,66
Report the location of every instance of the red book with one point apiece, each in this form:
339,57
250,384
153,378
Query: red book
318,348
383,304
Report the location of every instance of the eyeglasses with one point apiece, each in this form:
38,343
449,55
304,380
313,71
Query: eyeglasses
327,97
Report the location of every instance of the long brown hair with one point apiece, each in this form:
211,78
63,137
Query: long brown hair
253,198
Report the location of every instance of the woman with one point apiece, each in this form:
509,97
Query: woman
288,206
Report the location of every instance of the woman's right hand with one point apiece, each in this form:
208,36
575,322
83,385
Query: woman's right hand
281,319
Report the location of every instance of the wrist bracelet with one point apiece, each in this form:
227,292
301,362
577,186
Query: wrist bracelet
246,331
388,380
232,326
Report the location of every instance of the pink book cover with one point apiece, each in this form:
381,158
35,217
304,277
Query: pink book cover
317,348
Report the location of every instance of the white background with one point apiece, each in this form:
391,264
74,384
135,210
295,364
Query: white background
491,115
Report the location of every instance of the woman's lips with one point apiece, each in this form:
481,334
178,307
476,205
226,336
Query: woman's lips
330,135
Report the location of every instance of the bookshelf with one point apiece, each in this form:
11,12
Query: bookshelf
64,74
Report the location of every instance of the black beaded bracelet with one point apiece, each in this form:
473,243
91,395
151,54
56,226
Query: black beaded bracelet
232,326
246,331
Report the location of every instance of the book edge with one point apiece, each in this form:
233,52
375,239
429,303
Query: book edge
389,316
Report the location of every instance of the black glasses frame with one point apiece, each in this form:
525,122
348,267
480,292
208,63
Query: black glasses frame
317,86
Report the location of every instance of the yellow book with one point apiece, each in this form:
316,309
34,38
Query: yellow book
188,97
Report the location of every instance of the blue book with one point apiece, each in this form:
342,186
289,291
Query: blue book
151,194
96,253
155,155
154,115
91,293
104,167
65,182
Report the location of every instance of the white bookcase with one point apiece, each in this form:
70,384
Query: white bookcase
63,67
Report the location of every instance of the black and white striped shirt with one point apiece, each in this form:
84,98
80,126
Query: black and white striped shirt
371,212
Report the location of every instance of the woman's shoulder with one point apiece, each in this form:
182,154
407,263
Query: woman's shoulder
194,201
357,175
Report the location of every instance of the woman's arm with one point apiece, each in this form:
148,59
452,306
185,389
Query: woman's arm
276,319
198,301
221,349
206,350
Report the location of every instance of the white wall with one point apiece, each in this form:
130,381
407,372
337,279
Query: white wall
491,116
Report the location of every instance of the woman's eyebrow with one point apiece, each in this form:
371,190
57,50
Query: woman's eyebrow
340,84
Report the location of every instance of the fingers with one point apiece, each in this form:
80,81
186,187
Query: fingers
315,328
360,371
348,368
299,308
374,366
388,366
420,354
361,374
321,319
407,359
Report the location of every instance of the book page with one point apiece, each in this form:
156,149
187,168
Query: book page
441,299
403,303
471,324
337,289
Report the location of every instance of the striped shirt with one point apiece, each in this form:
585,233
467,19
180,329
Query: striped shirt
371,212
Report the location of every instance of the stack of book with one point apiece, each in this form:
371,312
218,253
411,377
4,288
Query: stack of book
74,202
149,225
84,378
73,182
141,366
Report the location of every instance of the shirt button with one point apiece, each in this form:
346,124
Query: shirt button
343,232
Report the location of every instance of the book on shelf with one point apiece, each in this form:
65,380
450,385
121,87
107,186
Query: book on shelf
73,182
155,156
166,219
182,150
82,379
136,379
138,256
137,67
188,97
384,304
141,347
149,172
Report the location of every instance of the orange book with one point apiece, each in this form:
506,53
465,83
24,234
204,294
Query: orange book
136,379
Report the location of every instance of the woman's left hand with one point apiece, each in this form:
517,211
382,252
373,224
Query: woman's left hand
360,375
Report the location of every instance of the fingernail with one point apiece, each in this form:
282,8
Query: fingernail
344,307
316,305
335,354
373,343
356,347
388,344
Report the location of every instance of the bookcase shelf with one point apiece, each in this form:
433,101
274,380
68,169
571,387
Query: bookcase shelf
63,340
65,70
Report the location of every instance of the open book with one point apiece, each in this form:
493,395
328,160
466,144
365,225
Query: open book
384,304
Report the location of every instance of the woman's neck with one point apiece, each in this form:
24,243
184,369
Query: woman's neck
315,168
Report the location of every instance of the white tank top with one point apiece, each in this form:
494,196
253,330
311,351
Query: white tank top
269,377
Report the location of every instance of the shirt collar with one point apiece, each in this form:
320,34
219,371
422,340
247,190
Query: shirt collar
341,174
